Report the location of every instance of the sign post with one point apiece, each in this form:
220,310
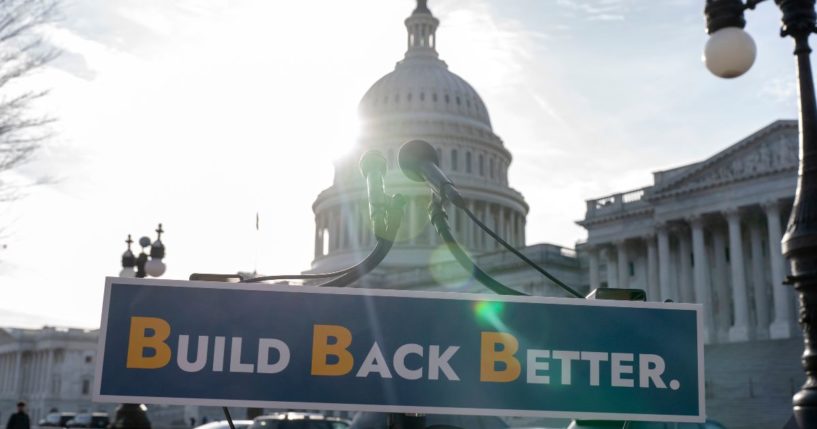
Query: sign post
257,345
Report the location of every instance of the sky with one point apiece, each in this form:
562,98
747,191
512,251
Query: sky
201,113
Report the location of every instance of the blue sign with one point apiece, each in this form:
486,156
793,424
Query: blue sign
258,345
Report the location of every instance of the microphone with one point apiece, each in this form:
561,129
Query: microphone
419,162
373,167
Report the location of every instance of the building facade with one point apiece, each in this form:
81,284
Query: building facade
707,232
50,368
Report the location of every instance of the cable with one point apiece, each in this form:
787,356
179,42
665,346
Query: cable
384,244
438,219
521,255
314,276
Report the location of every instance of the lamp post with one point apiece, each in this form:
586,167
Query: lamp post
729,53
145,265
133,416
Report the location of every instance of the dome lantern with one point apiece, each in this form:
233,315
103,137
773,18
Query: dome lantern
422,31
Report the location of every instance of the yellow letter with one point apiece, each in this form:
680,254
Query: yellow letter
489,356
138,342
321,349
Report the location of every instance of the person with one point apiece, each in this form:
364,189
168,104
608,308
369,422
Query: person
19,420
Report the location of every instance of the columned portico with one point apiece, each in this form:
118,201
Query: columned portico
710,233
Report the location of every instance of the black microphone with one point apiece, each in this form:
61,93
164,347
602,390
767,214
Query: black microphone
419,162
373,168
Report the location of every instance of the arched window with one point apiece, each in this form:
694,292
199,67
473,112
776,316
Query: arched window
459,102
467,162
454,160
447,98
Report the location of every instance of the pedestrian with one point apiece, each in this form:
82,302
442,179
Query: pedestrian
19,420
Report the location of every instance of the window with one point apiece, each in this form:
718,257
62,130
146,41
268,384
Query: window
422,96
396,98
89,359
467,162
434,97
86,386
631,268
454,159
459,102
447,98
408,98
481,165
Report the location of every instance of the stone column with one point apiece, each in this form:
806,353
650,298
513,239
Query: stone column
653,291
500,228
782,326
413,222
663,263
759,281
740,297
470,226
593,258
49,366
723,303
685,266
623,272
318,234
612,275
18,373
703,294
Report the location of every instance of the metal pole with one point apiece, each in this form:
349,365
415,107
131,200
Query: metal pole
799,244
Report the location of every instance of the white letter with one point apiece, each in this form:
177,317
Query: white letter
218,354
201,354
263,365
618,367
437,362
399,361
647,373
235,358
534,365
566,357
594,358
374,362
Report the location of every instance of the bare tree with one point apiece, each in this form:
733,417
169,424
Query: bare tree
22,52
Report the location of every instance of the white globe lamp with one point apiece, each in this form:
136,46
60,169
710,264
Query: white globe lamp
729,52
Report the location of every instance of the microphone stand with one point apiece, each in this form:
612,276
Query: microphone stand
439,219
394,212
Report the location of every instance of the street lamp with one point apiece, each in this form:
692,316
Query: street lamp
144,265
133,416
799,244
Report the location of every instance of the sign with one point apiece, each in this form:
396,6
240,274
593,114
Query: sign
259,345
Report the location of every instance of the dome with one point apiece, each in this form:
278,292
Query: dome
420,85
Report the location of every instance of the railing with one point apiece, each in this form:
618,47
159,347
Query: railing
616,202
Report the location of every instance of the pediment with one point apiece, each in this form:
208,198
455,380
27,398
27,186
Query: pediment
772,150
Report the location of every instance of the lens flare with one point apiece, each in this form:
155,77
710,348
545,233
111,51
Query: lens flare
490,313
